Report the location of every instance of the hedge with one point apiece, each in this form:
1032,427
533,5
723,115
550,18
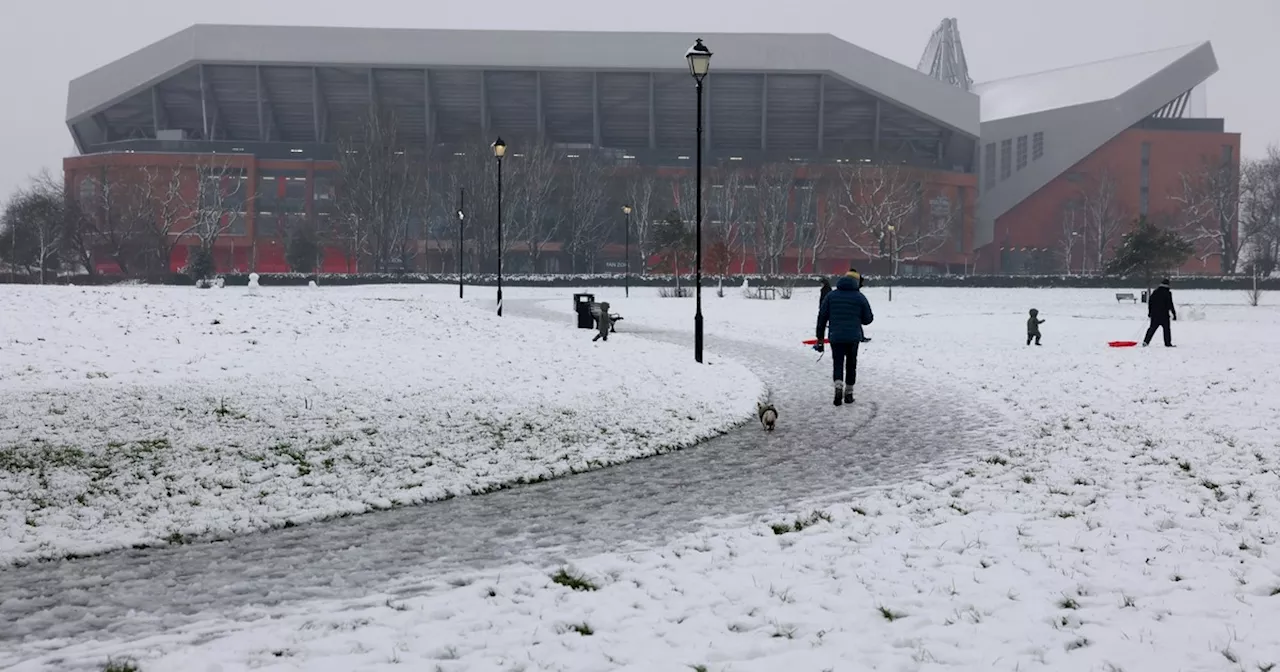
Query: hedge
615,280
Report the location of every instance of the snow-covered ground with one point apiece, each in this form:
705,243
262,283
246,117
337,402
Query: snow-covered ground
1124,517
143,415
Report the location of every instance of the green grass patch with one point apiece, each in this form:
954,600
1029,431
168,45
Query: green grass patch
573,581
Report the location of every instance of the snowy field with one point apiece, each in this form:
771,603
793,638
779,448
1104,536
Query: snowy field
143,415
1123,517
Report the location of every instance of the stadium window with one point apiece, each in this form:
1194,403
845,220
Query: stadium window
1037,145
1022,152
989,166
1006,159
88,191
1227,155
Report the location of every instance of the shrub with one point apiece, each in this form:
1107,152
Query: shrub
301,250
199,264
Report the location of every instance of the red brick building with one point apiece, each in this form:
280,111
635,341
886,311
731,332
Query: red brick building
268,108
1072,157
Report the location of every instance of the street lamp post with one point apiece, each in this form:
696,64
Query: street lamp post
462,218
893,259
699,57
626,279
499,150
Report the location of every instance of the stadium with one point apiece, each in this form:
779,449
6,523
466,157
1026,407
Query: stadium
818,153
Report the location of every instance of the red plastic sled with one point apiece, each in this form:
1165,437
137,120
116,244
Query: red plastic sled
814,341
1122,344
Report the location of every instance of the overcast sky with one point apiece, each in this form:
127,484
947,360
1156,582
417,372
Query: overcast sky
46,43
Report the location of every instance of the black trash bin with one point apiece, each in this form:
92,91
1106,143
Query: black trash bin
582,306
1144,296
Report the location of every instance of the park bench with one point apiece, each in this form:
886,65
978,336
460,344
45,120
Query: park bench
595,314
1126,296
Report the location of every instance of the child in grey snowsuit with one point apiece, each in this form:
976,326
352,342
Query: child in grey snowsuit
604,324
1033,327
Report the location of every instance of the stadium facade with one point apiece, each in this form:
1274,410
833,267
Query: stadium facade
988,169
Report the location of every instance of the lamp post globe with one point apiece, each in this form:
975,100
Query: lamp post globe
499,150
699,58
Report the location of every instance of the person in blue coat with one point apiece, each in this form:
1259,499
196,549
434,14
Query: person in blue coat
844,312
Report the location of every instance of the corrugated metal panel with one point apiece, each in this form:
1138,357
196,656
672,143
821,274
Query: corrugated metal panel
346,93
676,111
289,90
513,103
567,101
402,92
455,94
235,90
624,109
793,112
737,101
849,115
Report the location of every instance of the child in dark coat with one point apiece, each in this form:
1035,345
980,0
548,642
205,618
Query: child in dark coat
1033,327
604,324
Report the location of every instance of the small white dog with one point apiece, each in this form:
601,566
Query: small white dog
768,415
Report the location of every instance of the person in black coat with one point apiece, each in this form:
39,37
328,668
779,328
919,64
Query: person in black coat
824,291
1160,309
845,311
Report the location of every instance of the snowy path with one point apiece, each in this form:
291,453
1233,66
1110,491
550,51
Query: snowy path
898,426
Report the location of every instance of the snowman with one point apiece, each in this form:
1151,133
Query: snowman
253,283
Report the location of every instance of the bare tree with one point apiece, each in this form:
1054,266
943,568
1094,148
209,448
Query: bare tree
170,217
37,215
1103,214
813,225
383,190
1209,201
878,200
583,190
1071,218
891,215
773,186
472,167
1260,212
533,181
642,197
221,201
111,213
723,213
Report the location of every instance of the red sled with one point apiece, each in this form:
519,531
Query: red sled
814,341
1122,344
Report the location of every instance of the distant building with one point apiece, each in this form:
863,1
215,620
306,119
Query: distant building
984,172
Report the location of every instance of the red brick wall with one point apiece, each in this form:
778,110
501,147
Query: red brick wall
1036,222
248,252
233,251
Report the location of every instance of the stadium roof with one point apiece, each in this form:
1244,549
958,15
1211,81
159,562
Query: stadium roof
1045,123
1074,85
227,45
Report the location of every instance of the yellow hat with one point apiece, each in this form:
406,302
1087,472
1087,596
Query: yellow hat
854,275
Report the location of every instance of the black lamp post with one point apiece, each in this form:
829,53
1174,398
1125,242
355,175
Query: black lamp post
626,279
499,150
699,57
462,217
